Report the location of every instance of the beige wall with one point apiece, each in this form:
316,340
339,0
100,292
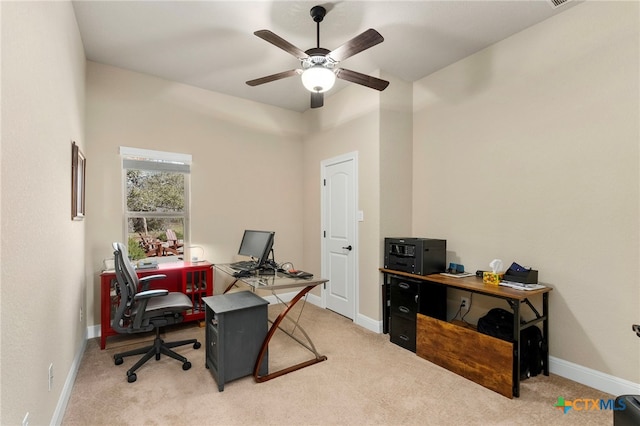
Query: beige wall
247,162
396,154
538,138
350,122
43,257
550,113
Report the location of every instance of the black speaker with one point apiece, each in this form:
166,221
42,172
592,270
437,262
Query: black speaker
630,416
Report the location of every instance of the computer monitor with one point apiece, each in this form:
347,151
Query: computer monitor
257,245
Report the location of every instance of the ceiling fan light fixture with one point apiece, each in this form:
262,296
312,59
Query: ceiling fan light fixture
318,66
318,79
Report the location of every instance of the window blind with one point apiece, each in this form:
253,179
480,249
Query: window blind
146,159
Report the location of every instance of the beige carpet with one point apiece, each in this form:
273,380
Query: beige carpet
366,380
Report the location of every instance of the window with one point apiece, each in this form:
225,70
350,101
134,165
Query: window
156,202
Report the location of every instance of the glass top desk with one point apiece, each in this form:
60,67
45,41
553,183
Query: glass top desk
274,282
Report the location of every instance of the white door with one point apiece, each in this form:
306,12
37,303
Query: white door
339,251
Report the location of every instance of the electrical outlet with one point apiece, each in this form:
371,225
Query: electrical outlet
50,376
464,304
81,317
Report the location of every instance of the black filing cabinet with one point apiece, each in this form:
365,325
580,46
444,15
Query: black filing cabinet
236,327
408,297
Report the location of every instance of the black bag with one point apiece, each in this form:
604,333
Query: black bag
499,323
531,350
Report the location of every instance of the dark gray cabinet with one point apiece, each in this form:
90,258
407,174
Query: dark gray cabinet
236,327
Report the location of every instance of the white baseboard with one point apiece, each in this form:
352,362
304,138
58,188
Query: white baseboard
368,323
593,378
93,331
61,407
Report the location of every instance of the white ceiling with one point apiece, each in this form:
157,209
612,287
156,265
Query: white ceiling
210,44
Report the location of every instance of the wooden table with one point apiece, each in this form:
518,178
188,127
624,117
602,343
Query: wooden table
453,354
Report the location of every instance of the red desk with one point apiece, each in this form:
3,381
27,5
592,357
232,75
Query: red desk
193,279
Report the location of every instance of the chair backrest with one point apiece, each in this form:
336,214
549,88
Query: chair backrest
127,286
171,235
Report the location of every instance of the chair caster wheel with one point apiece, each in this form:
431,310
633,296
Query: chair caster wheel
132,377
118,360
186,366
157,357
197,345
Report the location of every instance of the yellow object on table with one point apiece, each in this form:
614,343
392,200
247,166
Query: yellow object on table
493,278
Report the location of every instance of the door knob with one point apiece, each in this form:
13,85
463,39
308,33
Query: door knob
348,247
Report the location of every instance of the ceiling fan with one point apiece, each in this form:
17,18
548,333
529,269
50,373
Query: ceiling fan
319,66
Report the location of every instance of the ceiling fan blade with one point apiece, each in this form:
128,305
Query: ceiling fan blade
317,99
283,44
273,77
363,79
357,44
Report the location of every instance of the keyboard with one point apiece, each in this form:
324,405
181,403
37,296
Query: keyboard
243,265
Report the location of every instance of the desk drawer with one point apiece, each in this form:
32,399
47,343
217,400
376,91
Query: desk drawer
404,298
402,332
404,304
404,285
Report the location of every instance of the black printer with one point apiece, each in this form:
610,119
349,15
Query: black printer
420,256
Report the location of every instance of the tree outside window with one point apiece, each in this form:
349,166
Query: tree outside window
156,214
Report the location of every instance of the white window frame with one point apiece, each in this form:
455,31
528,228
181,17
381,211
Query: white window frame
160,161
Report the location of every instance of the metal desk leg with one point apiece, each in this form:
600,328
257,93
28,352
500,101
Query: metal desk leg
230,286
545,333
265,345
516,348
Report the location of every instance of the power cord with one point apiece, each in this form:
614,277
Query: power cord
462,306
458,313
468,308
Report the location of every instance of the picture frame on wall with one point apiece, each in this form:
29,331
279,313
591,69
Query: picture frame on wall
78,169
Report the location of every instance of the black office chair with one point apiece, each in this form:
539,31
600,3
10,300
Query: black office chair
141,310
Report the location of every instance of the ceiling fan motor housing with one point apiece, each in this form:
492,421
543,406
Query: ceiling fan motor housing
318,13
318,56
